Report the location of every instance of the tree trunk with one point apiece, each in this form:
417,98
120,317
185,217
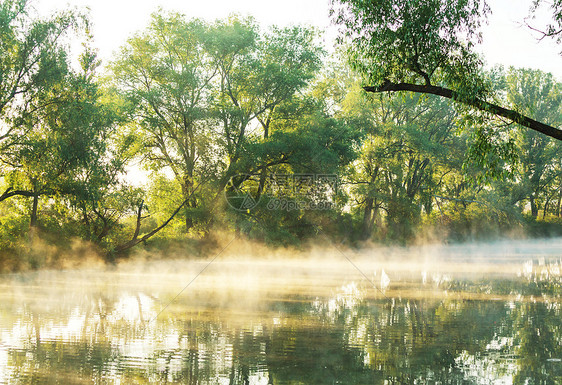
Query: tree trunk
188,219
367,226
261,186
559,201
186,187
139,219
534,208
546,205
33,219
135,241
263,173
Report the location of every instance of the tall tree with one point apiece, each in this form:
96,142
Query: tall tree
52,121
166,72
424,47
63,139
32,61
403,160
254,80
204,92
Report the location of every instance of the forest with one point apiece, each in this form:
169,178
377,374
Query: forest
197,129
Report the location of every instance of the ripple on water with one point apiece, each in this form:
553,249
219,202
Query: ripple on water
326,325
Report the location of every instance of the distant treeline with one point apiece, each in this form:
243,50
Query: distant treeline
256,132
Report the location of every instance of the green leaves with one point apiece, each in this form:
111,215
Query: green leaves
491,155
412,41
205,94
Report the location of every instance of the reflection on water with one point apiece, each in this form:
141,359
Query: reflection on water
291,322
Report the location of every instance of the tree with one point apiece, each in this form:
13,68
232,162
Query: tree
404,158
57,132
166,73
305,143
254,81
203,91
536,94
32,60
424,47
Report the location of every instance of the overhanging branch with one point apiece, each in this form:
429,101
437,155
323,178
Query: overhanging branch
479,104
10,192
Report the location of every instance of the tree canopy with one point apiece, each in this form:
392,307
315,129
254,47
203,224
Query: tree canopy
425,47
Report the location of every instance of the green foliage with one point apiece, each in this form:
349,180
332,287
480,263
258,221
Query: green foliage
462,221
409,148
32,59
13,224
491,154
196,89
538,173
414,41
428,47
544,227
209,108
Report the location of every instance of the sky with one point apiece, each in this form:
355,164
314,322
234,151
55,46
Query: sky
507,41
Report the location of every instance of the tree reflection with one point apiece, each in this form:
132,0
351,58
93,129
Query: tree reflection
537,331
347,338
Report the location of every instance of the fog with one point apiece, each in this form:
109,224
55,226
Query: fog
248,314
240,273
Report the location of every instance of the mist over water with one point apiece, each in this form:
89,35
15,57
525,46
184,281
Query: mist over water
486,313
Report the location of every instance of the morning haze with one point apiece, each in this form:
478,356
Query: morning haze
280,193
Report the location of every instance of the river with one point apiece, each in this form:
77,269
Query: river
461,314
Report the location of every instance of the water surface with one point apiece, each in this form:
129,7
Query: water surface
480,314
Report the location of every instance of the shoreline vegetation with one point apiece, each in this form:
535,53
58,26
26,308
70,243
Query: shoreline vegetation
50,251
260,134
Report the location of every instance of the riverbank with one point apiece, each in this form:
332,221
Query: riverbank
48,251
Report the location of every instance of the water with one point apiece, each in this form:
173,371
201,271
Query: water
485,314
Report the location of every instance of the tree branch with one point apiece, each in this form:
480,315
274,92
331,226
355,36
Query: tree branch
474,102
10,192
135,240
